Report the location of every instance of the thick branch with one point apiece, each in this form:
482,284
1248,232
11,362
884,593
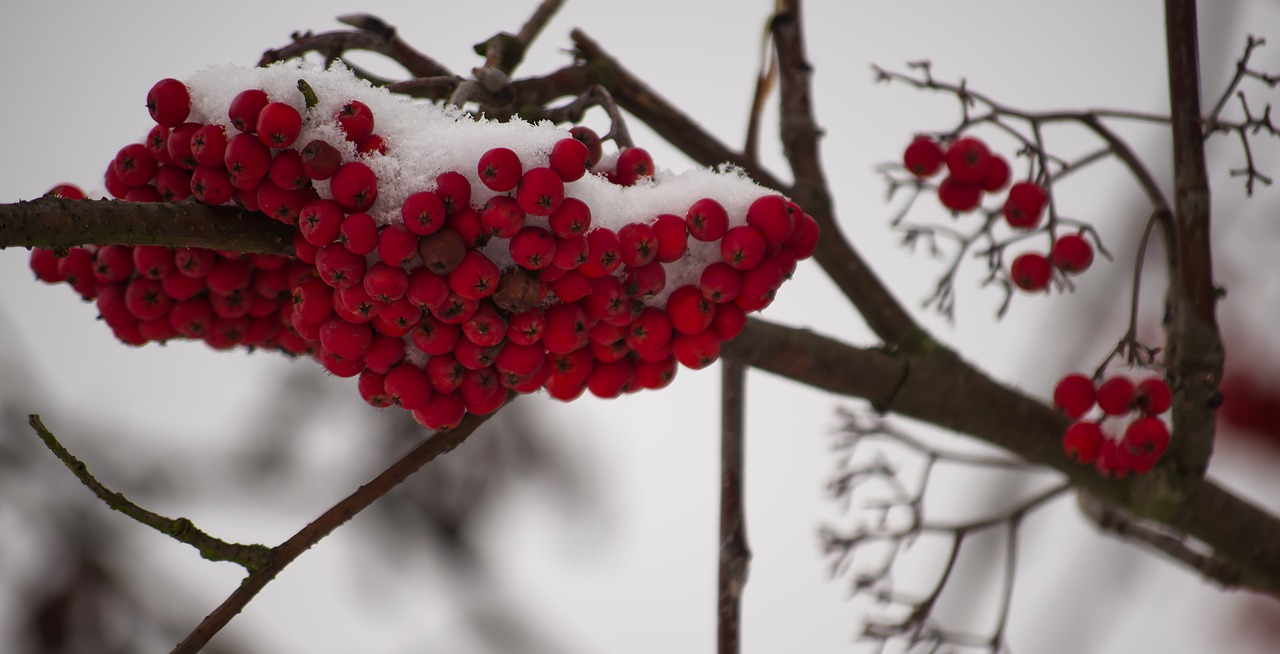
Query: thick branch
250,557
1195,346
285,553
374,36
59,223
940,388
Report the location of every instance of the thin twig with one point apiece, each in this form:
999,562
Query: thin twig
285,553
735,556
250,557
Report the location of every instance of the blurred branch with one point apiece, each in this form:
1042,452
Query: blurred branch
1194,354
251,557
337,515
374,35
735,556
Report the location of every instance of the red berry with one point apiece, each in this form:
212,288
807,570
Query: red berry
396,244
408,387
423,213
340,267
157,143
589,138
611,379
729,321
633,164
209,145
279,125
541,192
1116,395
707,220
770,216
655,374
604,253
385,283
689,310
211,185
444,411
743,247
354,186
1083,441
566,329
247,158
374,143
485,327
1152,396
644,282
44,263
997,175
442,251
502,216
434,336
569,158
356,120
454,189
696,351
320,221
573,218
347,340
1072,254
1113,460
146,298
179,146
1031,272
67,191
533,248
372,389
1146,439
134,165
286,170
500,169
968,160
174,183
1074,395
526,327
1024,205
923,157
169,102
245,108
672,233
958,196
476,277
283,204
638,244
359,234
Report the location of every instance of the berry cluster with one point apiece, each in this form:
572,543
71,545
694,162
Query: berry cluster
1145,437
444,303
972,170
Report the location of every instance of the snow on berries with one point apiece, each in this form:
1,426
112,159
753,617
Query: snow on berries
1140,436
440,260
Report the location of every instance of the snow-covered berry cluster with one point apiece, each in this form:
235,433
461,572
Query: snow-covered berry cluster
974,170
1145,436
442,260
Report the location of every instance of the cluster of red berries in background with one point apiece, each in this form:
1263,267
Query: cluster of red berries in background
1143,440
416,308
972,170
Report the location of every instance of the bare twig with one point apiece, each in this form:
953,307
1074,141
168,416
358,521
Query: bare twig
374,35
735,556
285,553
250,557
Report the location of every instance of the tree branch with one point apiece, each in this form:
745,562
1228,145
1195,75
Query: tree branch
250,557
1194,354
285,553
59,223
735,556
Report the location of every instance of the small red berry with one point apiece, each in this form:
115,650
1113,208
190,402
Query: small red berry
279,125
968,160
1146,439
1024,205
771,216
320,160
1152,396
707,220
633,164
1074,395
354,186
1031,271
1116,395
589,138
1083,441
169,102
423,213
1072,254
541,192
923,157
743,247
997,175
569,158
245,108
958,196
500,169
356,120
